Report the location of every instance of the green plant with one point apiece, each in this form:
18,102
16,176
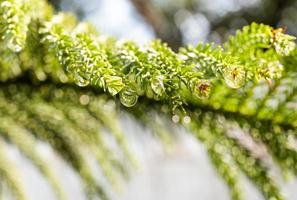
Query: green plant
60,79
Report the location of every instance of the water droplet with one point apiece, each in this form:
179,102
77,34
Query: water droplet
114,84
234,76
128,96
81,79
158,85
149,92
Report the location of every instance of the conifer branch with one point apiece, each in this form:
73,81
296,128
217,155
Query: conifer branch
54,54
155,70
27,144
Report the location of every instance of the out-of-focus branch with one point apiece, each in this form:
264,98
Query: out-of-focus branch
150,14
55,3
273,10
163,28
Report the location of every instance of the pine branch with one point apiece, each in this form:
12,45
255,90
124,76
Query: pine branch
55,54
27,144
155,70
45,122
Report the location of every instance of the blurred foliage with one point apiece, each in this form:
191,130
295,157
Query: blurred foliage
64,84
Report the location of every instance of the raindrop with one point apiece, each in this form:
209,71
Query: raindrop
81,79
149,92
128,96
234,76
114,84
157,84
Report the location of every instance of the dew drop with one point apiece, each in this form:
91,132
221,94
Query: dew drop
234,76
149,92
158,85
128,96
114,85
81,79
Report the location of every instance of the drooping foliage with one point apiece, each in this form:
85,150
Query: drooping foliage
61,83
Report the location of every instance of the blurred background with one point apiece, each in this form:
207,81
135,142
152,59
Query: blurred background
181,22
181,171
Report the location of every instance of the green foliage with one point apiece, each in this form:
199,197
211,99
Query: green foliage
54,71
15,21
260,49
